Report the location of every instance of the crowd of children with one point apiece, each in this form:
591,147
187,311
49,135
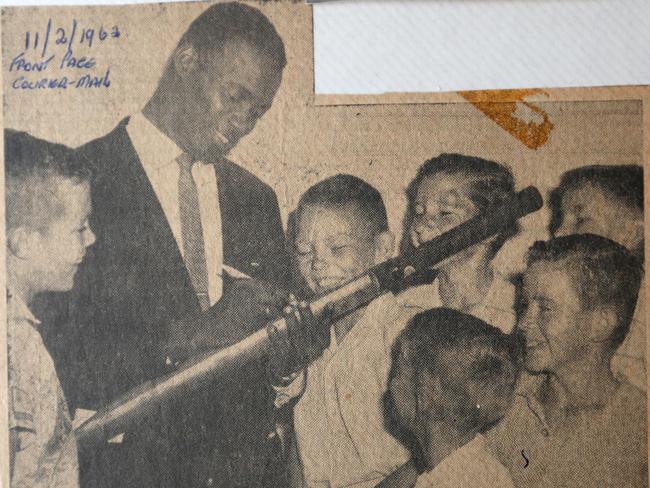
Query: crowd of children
473,380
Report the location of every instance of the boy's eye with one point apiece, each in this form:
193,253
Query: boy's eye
544,307
447,215
339,249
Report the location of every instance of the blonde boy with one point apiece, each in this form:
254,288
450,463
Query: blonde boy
341,232
48,206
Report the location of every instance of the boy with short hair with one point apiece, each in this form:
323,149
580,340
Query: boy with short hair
573,423
608,201
453,378
47,210
605,200
341,231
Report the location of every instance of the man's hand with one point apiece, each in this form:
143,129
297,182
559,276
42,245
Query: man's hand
246,305
303,341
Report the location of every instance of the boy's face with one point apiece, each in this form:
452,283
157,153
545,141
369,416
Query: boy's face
333,245
557,329
590,210
57,252
441,203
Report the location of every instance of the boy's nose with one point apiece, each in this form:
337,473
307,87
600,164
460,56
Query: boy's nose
530,330
566,227
318,263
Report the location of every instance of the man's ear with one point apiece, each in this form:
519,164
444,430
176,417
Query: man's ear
603,322
186,60
384,246
21,242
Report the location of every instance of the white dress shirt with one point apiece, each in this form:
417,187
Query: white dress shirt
339,421
158,154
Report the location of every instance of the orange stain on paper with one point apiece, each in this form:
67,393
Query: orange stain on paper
509,109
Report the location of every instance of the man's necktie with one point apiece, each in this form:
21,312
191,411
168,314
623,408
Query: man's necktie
191,229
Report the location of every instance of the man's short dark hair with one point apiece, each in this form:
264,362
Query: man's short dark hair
605,274
230,21
489,357
32,167
343,190
623,183
490,183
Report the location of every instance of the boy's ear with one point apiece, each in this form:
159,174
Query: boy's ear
21,242
186,60
429,387
384,246
604,321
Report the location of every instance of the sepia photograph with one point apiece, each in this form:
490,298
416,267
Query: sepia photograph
216,277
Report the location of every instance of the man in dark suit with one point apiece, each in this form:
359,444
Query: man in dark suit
177,227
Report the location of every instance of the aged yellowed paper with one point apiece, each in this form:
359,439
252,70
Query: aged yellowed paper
215,277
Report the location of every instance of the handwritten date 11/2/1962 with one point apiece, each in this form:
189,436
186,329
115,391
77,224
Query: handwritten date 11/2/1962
46,52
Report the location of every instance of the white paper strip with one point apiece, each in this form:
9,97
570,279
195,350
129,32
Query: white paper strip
449,45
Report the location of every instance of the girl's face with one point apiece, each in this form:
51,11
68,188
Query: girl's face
441,203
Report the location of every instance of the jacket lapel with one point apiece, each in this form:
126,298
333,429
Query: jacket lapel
142,223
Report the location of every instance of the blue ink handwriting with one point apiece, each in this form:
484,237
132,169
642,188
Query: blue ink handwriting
51,56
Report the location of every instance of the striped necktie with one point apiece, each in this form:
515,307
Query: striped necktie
191,229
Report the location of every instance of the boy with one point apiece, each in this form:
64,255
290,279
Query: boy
341,231
48,206
453,377
573,423
608,201
447,191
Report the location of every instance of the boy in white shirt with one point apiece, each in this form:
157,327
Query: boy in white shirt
447,191
341,232
573,423
453,378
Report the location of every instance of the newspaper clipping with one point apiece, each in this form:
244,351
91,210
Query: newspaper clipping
217,278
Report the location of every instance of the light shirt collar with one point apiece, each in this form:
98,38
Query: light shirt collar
472,452
17,309
150,143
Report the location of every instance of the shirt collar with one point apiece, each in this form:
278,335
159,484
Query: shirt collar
471,452
154,148
18,309
527,390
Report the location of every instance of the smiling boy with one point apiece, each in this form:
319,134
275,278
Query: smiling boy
573,423
607,200
341,232
48,206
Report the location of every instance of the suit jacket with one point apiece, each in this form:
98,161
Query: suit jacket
110,330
